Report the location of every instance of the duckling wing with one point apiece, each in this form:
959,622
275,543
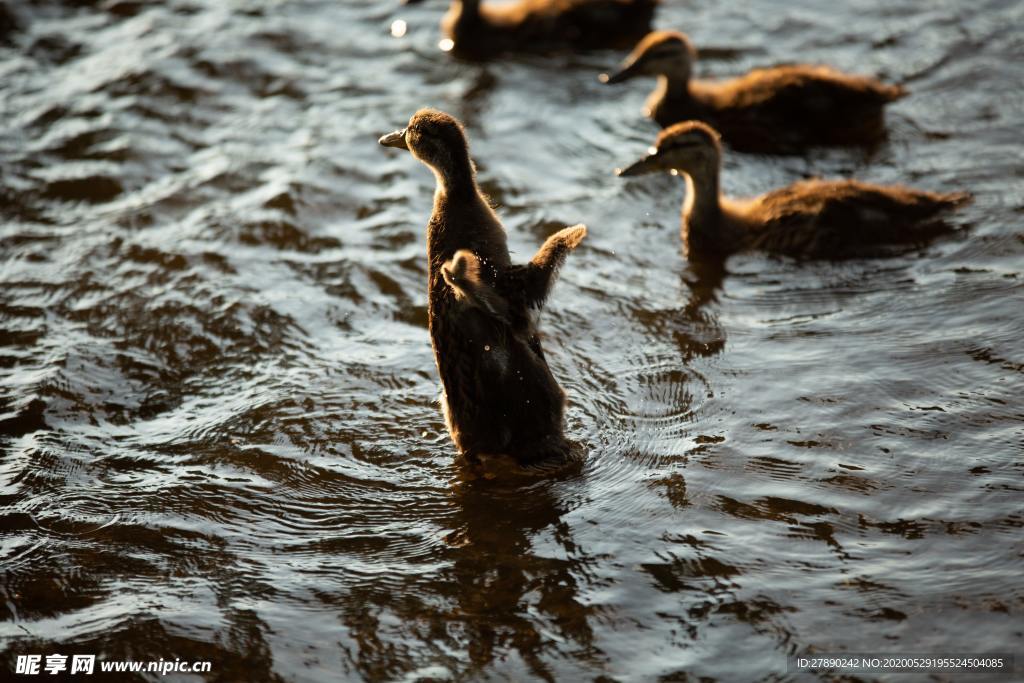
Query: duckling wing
812,103
589,23
836,218
463,276
803,90
533,282
609,15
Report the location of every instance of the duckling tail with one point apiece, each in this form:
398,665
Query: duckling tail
930,203
953,199
891,93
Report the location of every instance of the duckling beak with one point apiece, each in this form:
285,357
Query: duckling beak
649,164
396,139
625,73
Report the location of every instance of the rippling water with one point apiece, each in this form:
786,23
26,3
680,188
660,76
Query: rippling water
218,402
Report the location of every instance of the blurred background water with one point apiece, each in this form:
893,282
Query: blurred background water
218,401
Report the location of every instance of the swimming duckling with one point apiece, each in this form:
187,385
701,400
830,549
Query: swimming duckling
481,30
499,397
780,108
811,218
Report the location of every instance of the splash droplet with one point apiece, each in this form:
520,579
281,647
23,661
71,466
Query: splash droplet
446,45
398,28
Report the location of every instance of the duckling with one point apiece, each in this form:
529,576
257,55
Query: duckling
776,109
478,30
810,219
499,396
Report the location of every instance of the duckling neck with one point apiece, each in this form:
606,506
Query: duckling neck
456,180
675,86
461,218
466,10
703,227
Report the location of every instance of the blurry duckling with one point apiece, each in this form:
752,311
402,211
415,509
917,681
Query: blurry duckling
775,109
480,30
499,398
810,219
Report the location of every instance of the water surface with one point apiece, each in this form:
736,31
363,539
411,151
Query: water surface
221,436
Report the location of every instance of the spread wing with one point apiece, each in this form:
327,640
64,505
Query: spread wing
518,289
531,283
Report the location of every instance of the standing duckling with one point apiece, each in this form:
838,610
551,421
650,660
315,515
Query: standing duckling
480,30
500,398
811,218
776,109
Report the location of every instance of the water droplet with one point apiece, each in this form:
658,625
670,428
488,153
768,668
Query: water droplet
398,28
487,347
446,45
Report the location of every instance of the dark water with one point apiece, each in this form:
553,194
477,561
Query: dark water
213,299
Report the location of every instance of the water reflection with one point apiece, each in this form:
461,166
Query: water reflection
507,593
515,577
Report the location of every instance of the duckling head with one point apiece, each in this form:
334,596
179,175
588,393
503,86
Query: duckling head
436,139
690,147
660,53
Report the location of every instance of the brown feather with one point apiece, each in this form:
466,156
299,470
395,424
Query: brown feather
836,219
775,109
499,394
812,218
484,30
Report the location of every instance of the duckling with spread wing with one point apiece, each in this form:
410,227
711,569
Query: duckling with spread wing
811,218
776,109
479,30
499,398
